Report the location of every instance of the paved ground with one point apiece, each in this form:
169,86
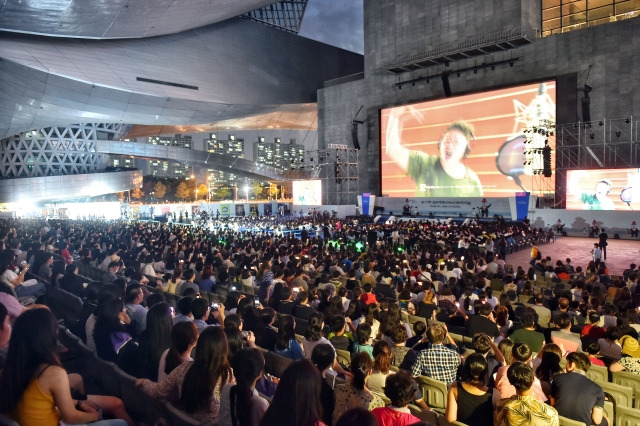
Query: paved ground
620,253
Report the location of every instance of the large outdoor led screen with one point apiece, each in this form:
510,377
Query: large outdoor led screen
307,192
603,189
485,144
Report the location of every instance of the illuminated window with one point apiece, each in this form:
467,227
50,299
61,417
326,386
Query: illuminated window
560,16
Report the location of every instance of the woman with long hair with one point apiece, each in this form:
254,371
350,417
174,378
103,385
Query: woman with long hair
469,401
184,336
173,283
34,388
154,340
382,357
356,393
286,343
196,385
297,398
313,336
240,404
548,366
5,333
110,333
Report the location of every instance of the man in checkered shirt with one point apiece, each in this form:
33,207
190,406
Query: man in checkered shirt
438,362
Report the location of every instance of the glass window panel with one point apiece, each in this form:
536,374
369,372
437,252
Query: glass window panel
593,4
551,13
576,18
600,12
627,6
550,3
569,8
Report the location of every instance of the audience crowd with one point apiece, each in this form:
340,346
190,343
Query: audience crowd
362,310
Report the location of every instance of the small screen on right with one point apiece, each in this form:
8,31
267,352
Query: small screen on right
603,189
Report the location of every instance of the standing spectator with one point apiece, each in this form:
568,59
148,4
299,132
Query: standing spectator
596,252
585,405
523,408
603,242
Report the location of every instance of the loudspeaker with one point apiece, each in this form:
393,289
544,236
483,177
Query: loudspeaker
445,84
546,161
354,135
586,110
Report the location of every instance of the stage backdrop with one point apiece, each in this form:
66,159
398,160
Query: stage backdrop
498,123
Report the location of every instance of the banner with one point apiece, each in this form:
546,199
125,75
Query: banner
267,209
522,205
240,210
225,210
253,210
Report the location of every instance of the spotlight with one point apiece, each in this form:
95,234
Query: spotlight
601,123
627,121
618,133
587,89
592,135
575,126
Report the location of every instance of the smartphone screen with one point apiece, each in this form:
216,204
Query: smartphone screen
256,302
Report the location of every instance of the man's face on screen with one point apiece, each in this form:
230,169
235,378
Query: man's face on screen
602,189
453,146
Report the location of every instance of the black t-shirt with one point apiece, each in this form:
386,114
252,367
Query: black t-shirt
480,324
575,396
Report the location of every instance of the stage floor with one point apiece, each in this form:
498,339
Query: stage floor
620,253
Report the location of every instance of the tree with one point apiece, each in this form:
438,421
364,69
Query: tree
120,196
137,193
159,190
222,193
202,191
182,191
256,189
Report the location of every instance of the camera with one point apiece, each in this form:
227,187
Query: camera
215,306
245,334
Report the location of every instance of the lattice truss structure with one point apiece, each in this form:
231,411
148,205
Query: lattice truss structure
285,15
54,151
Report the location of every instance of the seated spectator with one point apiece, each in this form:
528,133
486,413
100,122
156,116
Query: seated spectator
339,337
403,357
382,357
184,336
363,334
153,341
357,416
197,384
110,333
438,361
285,305
483,322
266,336
630,360
355,393
34,386
585,405
609,346
323,357
528,334
297,399
302,308
286,343
240,403
549,366
523,408
593,349
400,389
564,338
419,328
72,282
469,401
207,283
520,352
368,297
184,310
483,344
592,331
